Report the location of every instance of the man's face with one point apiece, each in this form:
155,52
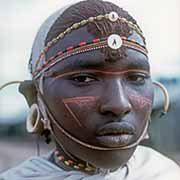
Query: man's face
99,102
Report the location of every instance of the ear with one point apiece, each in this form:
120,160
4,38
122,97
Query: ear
28,90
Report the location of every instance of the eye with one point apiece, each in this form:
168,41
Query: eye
83,78
138,79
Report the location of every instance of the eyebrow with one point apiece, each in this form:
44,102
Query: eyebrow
102,72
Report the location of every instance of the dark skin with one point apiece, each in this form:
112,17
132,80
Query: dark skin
112,90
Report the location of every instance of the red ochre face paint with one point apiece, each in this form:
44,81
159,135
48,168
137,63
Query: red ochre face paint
78,105
140,101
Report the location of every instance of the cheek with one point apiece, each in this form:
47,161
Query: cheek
79,108
141,97
142,109
140,102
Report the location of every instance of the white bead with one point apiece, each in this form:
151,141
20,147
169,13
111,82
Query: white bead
113,16
114,41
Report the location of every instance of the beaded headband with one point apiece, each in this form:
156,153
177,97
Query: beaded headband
114,41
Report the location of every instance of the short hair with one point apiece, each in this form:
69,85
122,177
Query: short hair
88,8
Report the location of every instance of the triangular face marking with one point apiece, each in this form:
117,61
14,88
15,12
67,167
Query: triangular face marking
78,106
141,102
114,41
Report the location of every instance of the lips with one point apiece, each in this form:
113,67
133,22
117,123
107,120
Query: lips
116,134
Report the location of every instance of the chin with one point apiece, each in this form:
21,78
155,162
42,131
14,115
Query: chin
111,159
108,159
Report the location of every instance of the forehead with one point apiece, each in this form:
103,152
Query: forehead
97,60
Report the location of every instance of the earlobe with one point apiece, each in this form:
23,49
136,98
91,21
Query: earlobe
166,97
28,90
33,122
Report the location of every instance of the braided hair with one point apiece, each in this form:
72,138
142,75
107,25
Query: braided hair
90,8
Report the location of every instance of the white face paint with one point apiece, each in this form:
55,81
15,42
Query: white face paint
114,41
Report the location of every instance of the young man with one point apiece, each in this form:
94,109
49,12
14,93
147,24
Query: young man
91,89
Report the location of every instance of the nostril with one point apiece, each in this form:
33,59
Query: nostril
127,112
114,111
107,113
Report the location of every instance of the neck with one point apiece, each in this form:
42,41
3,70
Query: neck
67,161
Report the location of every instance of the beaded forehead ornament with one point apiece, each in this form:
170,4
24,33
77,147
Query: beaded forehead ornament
114,41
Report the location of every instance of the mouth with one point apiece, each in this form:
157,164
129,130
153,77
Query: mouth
117,134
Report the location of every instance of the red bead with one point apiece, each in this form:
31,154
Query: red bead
59,53
69,48
82,43
96,40
70,162
51,58
133,40
123,37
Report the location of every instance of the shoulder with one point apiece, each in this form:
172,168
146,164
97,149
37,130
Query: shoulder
150,163
32,168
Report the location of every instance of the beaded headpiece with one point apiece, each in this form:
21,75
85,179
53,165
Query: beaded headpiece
114,41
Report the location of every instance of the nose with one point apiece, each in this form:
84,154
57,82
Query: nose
115,101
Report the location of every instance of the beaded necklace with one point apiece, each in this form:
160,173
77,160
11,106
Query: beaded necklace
75,164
